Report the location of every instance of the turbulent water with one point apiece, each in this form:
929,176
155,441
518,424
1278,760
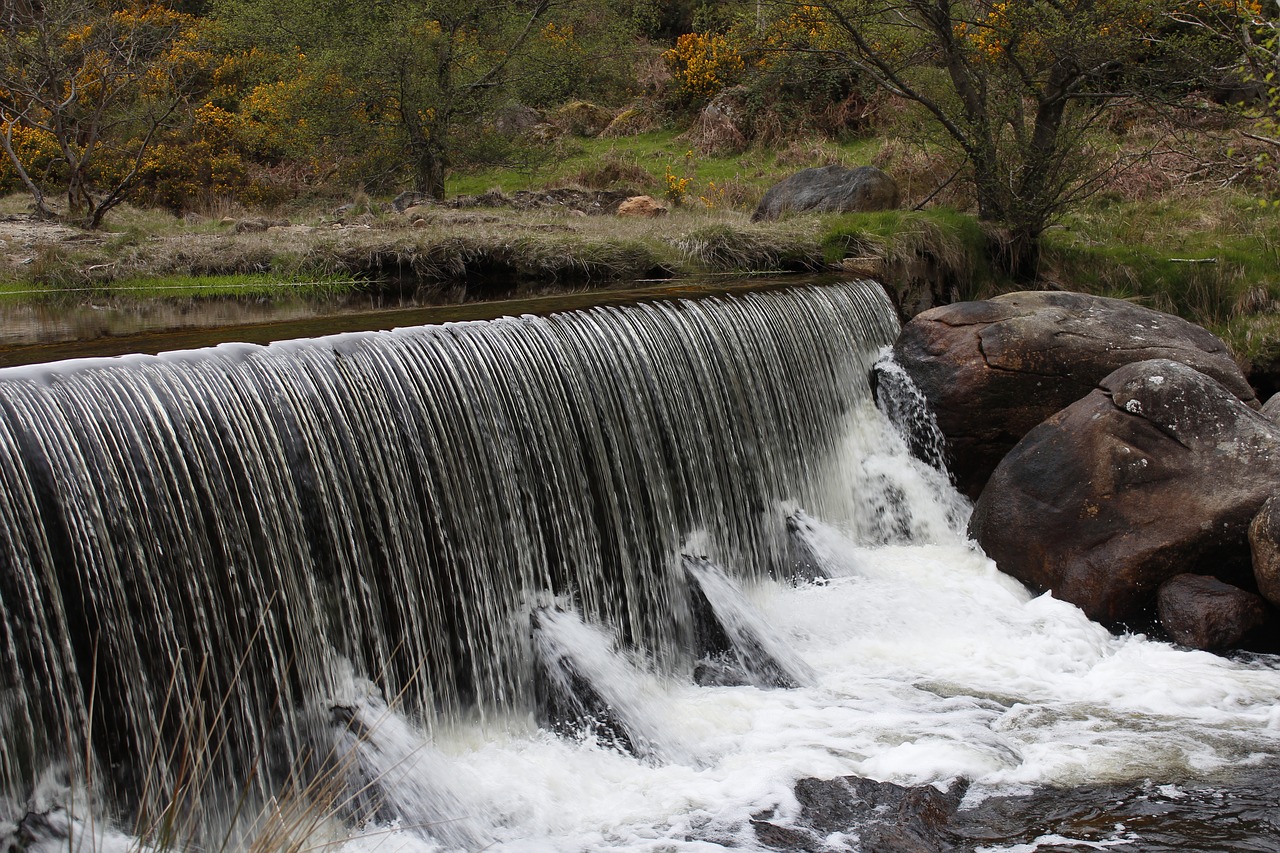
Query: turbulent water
430,590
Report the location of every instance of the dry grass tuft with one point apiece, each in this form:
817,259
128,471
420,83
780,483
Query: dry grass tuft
725,247
924,173
811,151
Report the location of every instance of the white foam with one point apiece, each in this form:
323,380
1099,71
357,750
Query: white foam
930,665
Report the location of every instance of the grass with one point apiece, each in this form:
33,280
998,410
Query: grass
948,251
650,155
1213,258
176,286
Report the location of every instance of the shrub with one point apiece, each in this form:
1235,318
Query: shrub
703,64
36,149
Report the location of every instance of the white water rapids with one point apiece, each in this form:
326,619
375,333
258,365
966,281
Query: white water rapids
931,666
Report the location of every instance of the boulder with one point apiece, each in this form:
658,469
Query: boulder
1157,472
992,370
581,118
886,818
1264,544
408,199
829,189
516,119
723,125
643,206
1272,408
1202,612
258,226
630,122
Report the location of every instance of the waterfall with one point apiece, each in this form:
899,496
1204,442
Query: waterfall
194,546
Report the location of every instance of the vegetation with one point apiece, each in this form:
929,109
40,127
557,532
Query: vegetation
86,89
1122,147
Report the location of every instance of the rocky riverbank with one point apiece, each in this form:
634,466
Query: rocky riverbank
1118,456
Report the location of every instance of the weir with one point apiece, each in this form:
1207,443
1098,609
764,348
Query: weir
196,549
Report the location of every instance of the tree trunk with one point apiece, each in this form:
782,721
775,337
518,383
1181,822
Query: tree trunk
6,141
429,170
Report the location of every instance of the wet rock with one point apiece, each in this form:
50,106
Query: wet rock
829,189
804,563
1202,612
643,206
992,370
1157,472
571,705
1264,544
785,838
729,639
886,818
1235,810
722,670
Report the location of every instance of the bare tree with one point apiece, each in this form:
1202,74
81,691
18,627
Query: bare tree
1015,88
101,80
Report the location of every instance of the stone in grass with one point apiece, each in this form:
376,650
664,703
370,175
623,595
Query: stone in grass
641,206
829,189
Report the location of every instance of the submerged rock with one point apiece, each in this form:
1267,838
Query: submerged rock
829,189
1157,472
994,369
1202,612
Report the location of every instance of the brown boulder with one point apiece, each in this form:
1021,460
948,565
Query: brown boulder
992,370
1264,544
1157,472
642,206
1202,612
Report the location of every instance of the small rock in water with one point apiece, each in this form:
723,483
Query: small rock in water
886,818
805,564
720,671
569,704
1202,612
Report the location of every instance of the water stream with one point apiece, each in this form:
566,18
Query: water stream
441,588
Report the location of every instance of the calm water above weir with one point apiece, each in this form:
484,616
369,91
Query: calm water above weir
608,579
51,330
